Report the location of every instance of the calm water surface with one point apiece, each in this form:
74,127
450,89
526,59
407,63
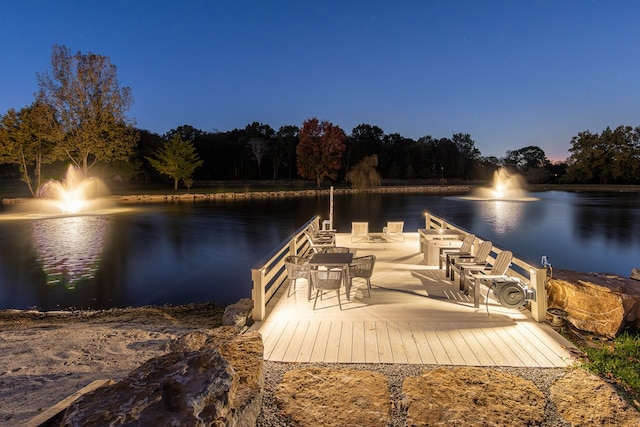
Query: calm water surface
199,252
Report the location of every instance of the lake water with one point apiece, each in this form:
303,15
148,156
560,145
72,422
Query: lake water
197,252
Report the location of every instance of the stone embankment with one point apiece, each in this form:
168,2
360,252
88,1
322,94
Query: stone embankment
240,195
231,195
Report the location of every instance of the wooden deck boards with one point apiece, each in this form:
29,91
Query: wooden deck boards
414,315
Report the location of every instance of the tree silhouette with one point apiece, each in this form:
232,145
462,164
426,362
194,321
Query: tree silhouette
320,150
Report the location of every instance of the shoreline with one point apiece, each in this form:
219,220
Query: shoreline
244,192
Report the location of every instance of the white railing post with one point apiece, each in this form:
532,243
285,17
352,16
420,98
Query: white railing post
258,296
537,280
267,272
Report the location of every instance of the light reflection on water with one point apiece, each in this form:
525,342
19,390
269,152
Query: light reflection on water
502,216
69,248
199,252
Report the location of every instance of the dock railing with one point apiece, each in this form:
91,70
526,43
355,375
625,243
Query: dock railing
534,276
270,273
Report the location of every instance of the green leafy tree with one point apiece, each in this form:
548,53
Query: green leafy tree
468,155
523,159
612,157
177,159
90,107
320,150
364,174
27,141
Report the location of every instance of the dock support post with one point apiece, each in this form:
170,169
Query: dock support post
258,294
538,281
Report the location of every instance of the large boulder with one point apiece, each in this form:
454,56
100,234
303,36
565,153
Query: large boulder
584,399
335,397
600,303
212,378
471,396
238,314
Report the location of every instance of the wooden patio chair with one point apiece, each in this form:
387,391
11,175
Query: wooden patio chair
297,268
318,245
477,262
393,231
319,233
359,231
319,236
447,254
362,268
327,280
473,278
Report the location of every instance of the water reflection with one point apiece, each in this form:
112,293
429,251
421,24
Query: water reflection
615,221
199,252
69,248
503,216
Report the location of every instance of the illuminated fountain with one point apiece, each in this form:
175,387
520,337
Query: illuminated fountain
69,223
73,194
505,186
501,205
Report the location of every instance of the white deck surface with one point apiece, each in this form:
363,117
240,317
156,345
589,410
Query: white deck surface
414,315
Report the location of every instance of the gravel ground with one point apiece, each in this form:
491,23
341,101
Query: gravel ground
396,373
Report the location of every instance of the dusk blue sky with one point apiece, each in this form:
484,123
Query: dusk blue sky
509,73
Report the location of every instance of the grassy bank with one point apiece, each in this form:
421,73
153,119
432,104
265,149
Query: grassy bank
617,361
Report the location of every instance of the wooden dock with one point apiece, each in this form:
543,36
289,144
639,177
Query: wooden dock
415,315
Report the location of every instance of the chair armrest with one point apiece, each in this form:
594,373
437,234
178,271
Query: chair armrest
472,266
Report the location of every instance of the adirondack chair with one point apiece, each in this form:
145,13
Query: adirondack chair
477,262
393,231
474,278
319,233
447,254
320,236
318,245
359,231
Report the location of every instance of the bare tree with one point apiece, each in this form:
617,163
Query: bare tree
259,147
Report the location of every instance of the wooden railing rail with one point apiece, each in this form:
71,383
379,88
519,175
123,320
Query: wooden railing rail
269,273
534,276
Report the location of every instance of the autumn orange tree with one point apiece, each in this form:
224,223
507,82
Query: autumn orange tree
319,150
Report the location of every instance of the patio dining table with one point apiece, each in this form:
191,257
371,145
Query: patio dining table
330,260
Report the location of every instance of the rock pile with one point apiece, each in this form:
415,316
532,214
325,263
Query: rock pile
209,378
600,303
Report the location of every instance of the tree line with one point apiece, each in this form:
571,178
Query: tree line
79,116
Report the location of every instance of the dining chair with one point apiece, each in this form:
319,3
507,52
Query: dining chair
327,280
362,268
297,268
337,250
